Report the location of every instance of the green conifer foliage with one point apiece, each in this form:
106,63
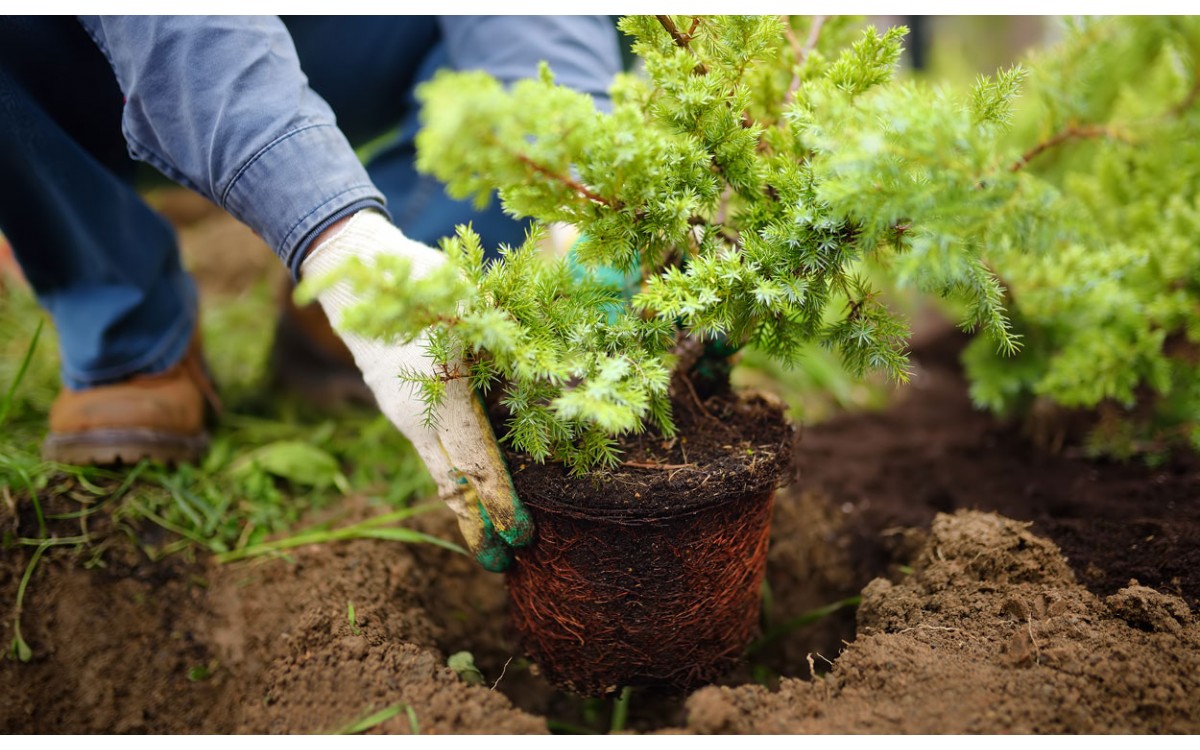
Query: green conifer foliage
743,179
1081,217
1108,303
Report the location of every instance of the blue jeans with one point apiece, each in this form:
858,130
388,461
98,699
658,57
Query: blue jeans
104,264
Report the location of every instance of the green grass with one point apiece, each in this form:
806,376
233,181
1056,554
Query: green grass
19,649
374,719
273,459
787,627
620,710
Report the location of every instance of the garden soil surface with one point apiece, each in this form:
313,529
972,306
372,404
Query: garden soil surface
1003,589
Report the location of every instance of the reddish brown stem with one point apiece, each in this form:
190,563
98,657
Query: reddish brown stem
681,41
802,53
572,184
1066,134
663,467
695,396
688,350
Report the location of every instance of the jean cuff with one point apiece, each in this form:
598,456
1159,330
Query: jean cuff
294,262
160,356
298,183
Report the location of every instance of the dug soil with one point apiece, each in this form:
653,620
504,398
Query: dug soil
996,581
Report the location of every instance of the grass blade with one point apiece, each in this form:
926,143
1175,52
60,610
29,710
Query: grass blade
807,618
19,649
368,529
373,720
412,537
12,389
620,713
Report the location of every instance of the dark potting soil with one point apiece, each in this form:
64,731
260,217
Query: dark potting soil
725,447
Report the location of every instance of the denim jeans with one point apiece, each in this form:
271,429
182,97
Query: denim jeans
105,265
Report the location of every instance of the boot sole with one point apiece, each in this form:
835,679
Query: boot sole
127,447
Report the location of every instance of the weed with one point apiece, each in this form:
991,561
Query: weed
353,620
372,720
19,649
201,672
271,460
808,618
372,528
12,388
620,710
463,664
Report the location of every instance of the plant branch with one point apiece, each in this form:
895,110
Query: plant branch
688,350
802,53
719,226
568,182
682,40
1068,133
687,381
1188,100
660,467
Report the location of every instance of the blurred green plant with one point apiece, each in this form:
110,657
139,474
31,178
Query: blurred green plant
1086,207
373,719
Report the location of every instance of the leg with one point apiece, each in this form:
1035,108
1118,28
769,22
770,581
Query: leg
101,262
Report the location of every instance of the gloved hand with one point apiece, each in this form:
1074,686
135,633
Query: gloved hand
461,452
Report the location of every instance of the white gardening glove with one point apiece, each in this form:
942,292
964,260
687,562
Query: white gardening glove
461,452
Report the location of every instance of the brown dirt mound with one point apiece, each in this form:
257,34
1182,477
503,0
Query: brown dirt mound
931,452
990,633
125,648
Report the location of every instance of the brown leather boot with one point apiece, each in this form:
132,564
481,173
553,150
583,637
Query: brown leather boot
161,417
310,360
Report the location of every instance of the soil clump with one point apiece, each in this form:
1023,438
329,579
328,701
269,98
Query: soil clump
989,634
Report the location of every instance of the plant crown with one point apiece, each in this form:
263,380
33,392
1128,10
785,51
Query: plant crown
738,186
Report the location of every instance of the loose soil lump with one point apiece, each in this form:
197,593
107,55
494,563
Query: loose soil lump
990,633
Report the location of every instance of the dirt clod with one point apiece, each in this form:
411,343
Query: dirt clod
1150,610
965,646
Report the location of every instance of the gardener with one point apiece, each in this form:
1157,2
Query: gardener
221,105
